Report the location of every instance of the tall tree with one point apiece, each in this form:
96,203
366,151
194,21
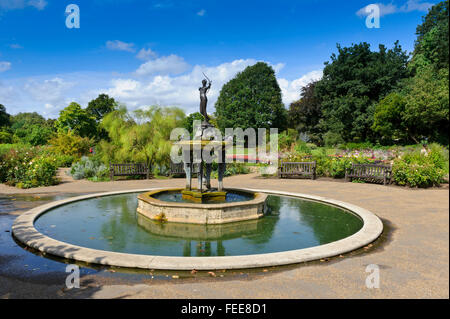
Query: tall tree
252,99
352,83
432,37
78,120
101,106
305,114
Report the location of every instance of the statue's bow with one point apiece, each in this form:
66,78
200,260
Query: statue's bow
207,78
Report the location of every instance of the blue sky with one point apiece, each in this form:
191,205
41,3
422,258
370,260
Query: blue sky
154,52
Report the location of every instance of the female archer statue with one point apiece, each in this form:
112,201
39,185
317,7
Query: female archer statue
203,99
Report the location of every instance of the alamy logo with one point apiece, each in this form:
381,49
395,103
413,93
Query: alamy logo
373,16
373,279
73,16
73,279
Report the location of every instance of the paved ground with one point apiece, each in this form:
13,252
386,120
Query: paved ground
412,253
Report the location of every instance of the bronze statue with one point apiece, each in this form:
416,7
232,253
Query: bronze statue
203,99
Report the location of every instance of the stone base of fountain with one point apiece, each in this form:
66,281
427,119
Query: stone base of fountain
200,213
202,197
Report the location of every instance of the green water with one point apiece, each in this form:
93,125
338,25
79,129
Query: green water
111,223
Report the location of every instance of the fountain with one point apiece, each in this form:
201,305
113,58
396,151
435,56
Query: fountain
204,204
199,227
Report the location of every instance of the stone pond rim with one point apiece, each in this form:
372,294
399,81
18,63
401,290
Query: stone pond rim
24,231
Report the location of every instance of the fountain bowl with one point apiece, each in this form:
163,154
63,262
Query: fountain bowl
214,212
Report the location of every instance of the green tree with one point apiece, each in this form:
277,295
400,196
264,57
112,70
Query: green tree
353,83
388,118
189,121
101,106
252,99
4,117
427,105
21,120
141,136
305,114
433,38
74,118
32,128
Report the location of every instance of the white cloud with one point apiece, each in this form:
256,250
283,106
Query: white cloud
182,90
172,64
6,93
4,66
201,13
120,46
146,54
21,4
49,92
291,89
15,46
391,8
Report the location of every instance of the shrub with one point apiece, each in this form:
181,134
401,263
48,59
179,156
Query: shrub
287,138
70,144
5,137
26,167
416,175
421,168
88,167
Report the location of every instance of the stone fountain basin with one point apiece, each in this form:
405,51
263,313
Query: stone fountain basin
194,213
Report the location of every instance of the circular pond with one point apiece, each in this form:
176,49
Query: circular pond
105,229
111,223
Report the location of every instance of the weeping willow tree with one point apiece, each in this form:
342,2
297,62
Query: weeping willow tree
141,136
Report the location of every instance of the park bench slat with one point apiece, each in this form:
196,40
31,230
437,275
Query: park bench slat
128,169
371,172
297,168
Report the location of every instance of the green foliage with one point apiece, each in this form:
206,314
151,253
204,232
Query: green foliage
352,83
31,128
189,121
287,138
4,117
20,120
305,114
388,118
420,167
433,38
26,167
74,118
141,136
426,112
5,137
88,167
101,106
252,99
416,175
331,139
70,144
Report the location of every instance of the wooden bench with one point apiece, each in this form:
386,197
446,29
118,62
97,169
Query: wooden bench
178,169
128,170
297,169
371,172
